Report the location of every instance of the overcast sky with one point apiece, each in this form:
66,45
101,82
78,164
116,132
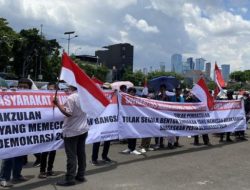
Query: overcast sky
216,30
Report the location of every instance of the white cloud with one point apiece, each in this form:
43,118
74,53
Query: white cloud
140,24
215,30
244,10
120,4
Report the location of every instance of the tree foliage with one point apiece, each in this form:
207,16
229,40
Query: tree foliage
91,70
28,53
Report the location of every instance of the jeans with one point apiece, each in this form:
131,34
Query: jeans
75,153
50,156
13,165
95,150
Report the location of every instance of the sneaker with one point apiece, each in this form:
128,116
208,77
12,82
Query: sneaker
42,175
107,159
135,152
20,179
5,183
156,147
126,151
162,146
150,149
80,179
65,183
37,163
208,144
170,146
94,162
143,150
51,173
176,144
229,140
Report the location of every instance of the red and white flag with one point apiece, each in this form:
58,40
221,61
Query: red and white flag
219,77
92,99
200,90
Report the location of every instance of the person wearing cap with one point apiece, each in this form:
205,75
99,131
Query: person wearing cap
74,132
131,141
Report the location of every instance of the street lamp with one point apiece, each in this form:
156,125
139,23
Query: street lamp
69,38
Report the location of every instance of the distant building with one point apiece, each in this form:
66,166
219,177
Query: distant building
176,63
225,70
208,69
88,58
190,62
145,71
162,67
194,75
199,64
185,67
117,58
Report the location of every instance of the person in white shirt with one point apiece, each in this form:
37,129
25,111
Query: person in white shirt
74,132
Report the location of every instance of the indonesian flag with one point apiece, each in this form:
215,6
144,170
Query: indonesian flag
92,99
200,90
218,77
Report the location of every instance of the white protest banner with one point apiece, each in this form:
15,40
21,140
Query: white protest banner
141,117
105,127
28,123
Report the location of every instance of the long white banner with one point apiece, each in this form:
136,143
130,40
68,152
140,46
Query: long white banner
141,117
29,123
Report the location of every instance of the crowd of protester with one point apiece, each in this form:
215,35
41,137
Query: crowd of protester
75,132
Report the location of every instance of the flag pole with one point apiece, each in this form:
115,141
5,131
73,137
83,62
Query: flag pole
57,84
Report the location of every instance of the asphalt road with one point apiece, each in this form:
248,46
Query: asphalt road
189,167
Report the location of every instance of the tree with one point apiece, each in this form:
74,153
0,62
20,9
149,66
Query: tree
137,78
7,38
32,54
98,71
211,85
238,76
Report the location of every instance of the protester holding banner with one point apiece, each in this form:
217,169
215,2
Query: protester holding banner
14,165
75,130
95,151
25,83
240,135
145,142
228,139
162,97
176,98
48,156
131,141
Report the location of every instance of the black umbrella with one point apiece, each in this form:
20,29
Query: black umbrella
170,82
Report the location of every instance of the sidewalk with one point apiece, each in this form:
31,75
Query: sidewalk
189,167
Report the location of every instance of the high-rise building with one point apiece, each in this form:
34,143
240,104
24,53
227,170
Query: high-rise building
225,70
190,62
176,63
117,57
199,64
162,67
185,67
208,69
